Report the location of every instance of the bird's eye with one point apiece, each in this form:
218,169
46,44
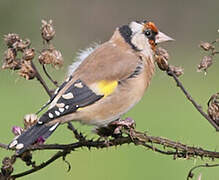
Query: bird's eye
148,33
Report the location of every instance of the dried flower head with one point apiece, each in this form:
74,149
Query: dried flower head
161,57
28,54
22,45
11,38
9,55
30,120
7,166
205,63
206,46
10,61
213,107
178,71
27,158
51,56
47,30
27,70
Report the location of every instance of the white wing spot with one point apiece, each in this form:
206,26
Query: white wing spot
61,109
56,91
68,96
77,106
53,127
51,115
13,144
40,122
67,79
60,105
57,113
79,85
66,107
20,146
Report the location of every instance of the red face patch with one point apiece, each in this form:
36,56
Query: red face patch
150,25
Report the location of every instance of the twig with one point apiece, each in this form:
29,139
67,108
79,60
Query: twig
78,136
44,164
189,97
191,174
176,149
3,146
40,79
50,78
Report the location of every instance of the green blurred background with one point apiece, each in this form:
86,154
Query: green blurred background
164,111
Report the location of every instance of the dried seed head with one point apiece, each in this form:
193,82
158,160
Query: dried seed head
16,130
9,55
11,38
7,167
27,158
28,54
47,30
178,71
21,45
205,63
51,56
161,57
30,120
213,107
162,52
206,46
14,64
27,70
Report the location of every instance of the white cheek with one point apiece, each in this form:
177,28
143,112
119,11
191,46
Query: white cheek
141,42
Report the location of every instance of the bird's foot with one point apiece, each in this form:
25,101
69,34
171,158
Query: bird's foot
116,128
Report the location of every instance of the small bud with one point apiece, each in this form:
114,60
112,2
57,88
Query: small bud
27,70
213,107
16,130
205,63
206,46
47,30
178,71
30,120
51,56
10,39
40,140
29,54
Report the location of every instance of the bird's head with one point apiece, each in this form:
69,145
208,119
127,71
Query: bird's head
143,36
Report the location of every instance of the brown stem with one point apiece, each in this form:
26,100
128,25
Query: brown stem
178,150
41,166
189,97
78,136
40,79
190,174
50,78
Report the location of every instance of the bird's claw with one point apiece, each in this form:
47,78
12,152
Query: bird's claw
115,128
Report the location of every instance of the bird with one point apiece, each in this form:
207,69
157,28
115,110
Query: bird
109,80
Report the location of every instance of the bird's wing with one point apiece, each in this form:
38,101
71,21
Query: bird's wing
97,77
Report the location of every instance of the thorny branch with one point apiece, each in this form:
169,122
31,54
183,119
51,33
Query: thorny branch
128,134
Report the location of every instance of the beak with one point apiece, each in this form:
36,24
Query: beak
161,37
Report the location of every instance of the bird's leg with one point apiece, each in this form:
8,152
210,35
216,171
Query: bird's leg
115,128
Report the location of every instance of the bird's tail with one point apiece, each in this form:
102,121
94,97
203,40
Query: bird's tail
31,136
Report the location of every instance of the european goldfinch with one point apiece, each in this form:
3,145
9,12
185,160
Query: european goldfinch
109,81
